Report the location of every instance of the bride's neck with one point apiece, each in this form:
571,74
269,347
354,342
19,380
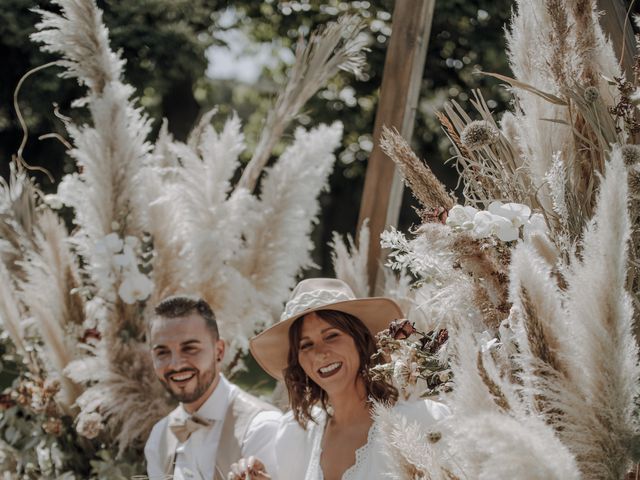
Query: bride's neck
350,405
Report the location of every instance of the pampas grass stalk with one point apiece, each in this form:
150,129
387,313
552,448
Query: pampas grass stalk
339,46
278,242
413,451
112,151
79,34
47,293
350,260
424,185
10,316
493,446
600,314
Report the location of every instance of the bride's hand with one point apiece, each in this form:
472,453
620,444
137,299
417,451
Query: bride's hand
248,469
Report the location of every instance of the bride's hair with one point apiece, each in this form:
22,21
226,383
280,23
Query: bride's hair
304,393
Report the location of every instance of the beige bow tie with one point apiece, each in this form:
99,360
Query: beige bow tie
182,428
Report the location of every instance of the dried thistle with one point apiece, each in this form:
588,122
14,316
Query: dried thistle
429,191
630,154
478,134
591,94
634,182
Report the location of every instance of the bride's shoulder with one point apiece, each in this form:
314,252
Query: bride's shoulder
424,410
292,432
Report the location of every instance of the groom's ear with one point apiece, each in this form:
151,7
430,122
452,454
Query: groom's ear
220,347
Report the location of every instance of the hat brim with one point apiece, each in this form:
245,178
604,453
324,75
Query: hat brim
271,347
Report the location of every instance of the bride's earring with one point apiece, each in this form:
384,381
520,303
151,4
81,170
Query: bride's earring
307,388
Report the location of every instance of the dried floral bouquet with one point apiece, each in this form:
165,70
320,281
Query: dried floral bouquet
150,219
535,275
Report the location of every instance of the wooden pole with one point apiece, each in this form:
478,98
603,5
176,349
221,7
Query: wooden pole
401,79
613,23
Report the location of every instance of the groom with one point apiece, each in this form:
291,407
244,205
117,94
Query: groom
216,422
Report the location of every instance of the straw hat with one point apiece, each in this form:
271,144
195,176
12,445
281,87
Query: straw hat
271,347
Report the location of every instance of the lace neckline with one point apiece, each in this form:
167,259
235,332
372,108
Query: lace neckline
362,453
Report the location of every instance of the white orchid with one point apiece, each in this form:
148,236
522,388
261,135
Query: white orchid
135,287
113,242
501,219
487,224
536,225
517,213
126,259
461,217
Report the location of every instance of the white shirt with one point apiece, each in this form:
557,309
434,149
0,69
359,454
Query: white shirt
196,457
298,451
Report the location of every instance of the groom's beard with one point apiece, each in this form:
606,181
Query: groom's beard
194,388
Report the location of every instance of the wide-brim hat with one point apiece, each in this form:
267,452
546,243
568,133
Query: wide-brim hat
271,347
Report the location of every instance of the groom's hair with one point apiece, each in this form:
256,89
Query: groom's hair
183,305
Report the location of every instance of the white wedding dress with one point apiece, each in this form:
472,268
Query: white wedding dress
298,451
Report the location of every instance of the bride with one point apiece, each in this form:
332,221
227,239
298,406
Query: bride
322,349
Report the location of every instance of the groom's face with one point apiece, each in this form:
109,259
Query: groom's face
186,357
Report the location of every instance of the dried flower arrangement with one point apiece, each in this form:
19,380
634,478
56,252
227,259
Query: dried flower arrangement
535,276
150,219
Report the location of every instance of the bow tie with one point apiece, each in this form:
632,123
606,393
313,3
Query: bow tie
182,428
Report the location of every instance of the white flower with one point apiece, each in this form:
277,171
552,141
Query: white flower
517,213
535,226
57,457
126,260
132,241
461,216
113,242
89,424
44,458
135,287
95,313
486,224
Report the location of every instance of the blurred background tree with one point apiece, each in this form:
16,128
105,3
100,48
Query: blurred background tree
186,56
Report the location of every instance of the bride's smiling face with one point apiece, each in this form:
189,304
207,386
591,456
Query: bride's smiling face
328,355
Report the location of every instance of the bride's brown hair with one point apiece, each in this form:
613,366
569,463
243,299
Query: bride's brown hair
304,393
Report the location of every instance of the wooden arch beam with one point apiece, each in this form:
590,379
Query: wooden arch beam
401,80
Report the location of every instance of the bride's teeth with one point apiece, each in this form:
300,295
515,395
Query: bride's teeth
330,368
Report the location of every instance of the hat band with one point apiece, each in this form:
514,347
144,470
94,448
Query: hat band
313,299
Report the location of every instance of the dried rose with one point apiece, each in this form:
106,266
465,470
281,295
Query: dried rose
52,426
6,401
89,424
51,387
401,329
